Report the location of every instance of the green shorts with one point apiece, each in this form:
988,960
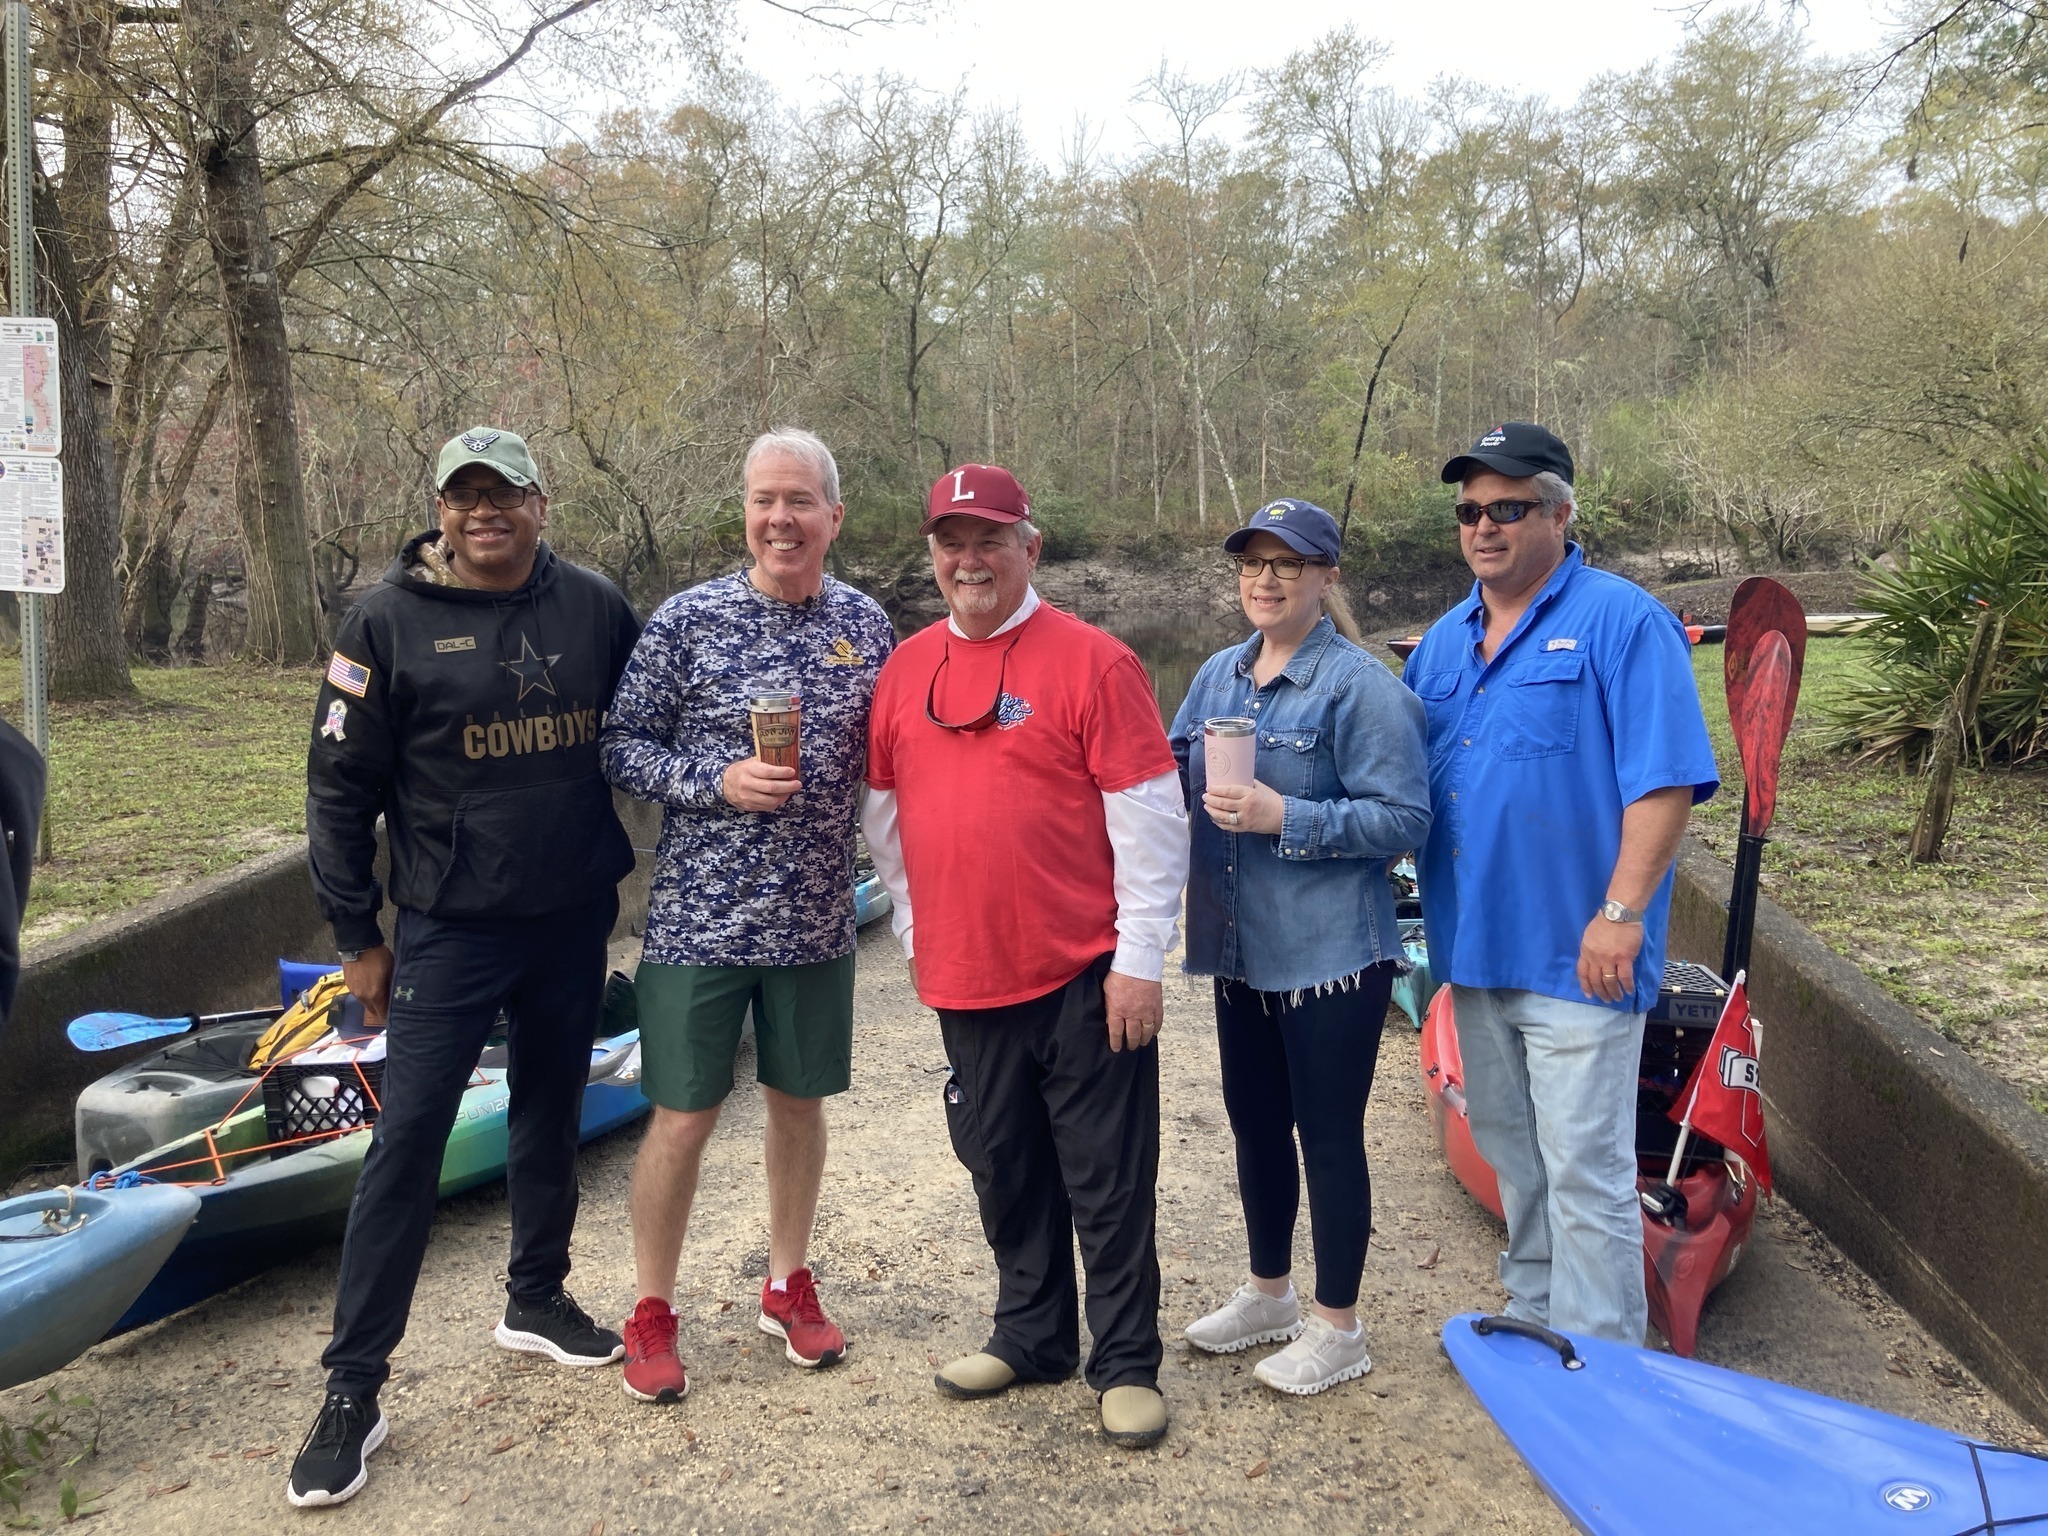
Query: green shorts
690,1019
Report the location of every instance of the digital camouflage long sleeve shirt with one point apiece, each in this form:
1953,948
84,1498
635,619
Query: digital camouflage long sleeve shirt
735,887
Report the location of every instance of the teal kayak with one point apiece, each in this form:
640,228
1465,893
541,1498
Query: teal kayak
259,1204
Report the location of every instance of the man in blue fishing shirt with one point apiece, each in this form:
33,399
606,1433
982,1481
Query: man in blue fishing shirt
1567,750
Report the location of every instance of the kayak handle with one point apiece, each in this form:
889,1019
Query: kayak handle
1536,1331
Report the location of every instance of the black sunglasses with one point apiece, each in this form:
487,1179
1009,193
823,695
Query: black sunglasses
463,498
1469,512
987,717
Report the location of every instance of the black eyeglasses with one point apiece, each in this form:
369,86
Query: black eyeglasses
1286,567
462,498
1469,512
987,717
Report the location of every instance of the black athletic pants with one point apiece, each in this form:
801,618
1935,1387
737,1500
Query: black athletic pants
1304,1066
452,977
1062,1137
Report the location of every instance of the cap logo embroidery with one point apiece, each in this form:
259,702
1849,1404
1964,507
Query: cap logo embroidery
960,491
1493,439
1276,512
478,442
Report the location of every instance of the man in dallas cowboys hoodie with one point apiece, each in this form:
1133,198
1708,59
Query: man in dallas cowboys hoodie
462,704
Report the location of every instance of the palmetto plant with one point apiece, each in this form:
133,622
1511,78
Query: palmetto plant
1991,553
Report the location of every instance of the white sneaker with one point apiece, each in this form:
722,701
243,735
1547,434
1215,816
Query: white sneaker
1316,1361
1250,1317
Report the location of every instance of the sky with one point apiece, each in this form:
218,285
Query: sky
1054,60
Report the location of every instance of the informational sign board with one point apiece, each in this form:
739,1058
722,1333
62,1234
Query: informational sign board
31,525
31,420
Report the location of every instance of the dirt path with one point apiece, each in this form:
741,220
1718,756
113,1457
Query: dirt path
203,1412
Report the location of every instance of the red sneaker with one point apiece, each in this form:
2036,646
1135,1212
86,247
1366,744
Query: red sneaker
654,1373
808,1336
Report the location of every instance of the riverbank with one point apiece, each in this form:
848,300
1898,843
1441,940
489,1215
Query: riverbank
203,1413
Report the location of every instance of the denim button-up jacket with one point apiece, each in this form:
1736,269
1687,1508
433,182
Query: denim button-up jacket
1343,743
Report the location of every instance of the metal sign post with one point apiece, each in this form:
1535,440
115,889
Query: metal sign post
21,272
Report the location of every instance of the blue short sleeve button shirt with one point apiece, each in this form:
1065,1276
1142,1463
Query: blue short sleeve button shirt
1587,706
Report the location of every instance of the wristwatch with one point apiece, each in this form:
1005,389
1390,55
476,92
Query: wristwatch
1615,912
351,956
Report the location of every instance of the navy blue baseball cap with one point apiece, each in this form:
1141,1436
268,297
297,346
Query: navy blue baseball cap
1517,449
1302,526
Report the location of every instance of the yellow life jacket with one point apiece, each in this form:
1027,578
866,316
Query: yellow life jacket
317,1011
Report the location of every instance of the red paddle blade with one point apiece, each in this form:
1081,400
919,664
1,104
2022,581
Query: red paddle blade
1759,606
1759,722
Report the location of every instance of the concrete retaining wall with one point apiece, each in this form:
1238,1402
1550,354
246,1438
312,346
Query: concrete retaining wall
207,948
1928,1171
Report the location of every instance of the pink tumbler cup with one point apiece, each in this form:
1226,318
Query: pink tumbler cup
1230,750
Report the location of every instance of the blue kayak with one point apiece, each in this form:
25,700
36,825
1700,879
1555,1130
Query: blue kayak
71,1261
1631,1441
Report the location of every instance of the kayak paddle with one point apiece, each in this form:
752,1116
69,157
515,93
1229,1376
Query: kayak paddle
111,1031
1766,649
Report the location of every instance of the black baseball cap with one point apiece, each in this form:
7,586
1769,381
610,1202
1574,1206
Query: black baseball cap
1517,449
1302,526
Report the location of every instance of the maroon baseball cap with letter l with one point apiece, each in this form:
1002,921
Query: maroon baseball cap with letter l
986,491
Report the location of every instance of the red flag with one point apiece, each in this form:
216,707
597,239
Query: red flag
1723,1099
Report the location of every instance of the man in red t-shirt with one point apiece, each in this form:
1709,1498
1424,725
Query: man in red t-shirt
1024,811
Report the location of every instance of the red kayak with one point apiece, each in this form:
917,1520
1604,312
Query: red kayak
1683,1259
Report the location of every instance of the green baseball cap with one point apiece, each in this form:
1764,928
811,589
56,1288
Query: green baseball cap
506,452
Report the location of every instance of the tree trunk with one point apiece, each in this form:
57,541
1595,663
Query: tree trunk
1950,738
270,494
88,657
192,639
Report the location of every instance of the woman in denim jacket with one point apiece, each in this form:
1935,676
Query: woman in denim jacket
1290,910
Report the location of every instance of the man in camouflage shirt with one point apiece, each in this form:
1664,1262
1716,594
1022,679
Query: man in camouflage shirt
753,890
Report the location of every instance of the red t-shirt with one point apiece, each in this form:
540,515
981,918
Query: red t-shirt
1012,883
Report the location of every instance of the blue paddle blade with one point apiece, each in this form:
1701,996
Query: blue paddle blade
111,1031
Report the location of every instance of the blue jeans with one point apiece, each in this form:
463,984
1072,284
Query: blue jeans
1551,1089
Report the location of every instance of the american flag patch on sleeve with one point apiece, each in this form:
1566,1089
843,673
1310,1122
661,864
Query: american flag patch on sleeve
349,676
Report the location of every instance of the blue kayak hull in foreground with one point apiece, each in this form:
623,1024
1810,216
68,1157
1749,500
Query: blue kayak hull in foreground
63,1284
1651,1444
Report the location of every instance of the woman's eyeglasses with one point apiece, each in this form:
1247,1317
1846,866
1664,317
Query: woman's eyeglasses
987,717
1469,512
463,498
1286,567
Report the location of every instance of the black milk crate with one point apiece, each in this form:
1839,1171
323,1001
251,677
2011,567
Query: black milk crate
290,1113
1675,1037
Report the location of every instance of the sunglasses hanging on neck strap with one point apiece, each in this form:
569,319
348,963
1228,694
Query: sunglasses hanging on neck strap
987,717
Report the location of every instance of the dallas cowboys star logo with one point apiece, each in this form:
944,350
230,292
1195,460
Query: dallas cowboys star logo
531,668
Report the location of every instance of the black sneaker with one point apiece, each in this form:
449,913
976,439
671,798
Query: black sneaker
559,1329
329,1468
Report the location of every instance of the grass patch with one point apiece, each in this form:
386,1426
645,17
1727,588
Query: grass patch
204,768
1964,942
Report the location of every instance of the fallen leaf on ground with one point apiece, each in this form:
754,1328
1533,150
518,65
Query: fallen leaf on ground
145,1466
1435,1253
725,1473
1336,1496
860,1381
1257,1469
505,1444
465,1497
169,1488
257,1452
1179,1451
597,1527
486,1399
725,1306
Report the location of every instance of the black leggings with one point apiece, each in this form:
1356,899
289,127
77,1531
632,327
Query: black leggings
1304,1062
